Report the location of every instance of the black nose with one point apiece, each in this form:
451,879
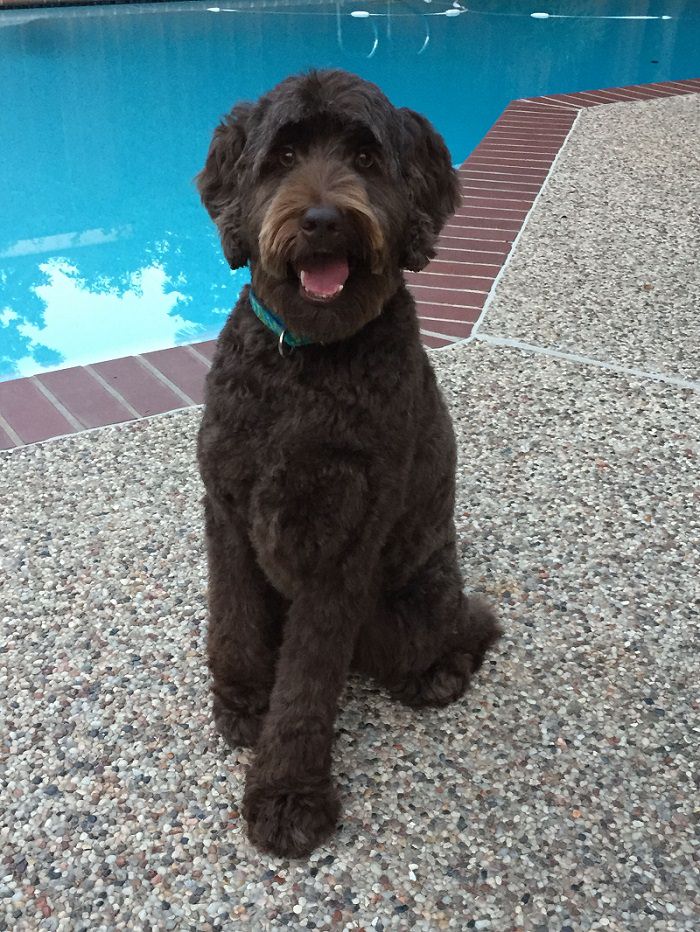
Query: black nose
318,221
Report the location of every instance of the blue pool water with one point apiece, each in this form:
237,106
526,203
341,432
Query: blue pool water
106,114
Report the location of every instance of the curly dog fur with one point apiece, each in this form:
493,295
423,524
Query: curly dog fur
329,468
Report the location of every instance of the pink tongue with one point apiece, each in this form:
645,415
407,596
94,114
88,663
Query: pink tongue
325,278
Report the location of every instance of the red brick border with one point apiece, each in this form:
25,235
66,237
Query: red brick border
500,180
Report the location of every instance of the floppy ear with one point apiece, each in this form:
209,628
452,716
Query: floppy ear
433,188
218,182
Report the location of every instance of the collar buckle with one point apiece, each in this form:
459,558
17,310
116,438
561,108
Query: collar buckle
281,345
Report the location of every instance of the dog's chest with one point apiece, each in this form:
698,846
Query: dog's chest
285,417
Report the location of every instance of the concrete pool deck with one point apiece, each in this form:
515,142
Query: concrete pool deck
559,794
608,267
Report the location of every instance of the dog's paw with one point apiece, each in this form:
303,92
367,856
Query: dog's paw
238,729
441,684
448,677
482,632
289,822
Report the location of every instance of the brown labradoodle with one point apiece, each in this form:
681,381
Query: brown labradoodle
326,449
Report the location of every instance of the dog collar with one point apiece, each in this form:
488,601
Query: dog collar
273,323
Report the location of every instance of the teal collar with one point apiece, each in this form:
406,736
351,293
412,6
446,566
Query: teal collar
273,323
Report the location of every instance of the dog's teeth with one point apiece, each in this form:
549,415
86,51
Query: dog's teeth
324,294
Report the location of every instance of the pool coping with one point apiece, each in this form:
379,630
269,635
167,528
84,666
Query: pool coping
501,181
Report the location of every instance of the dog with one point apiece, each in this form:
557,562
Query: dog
326,450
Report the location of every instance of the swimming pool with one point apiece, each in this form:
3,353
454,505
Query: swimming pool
107,114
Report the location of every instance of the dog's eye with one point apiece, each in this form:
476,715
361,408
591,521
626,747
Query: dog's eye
364,159
287,156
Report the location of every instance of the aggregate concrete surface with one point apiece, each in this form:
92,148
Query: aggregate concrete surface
558,794
609,263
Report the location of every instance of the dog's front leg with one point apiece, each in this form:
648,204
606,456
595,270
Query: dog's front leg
316,539
245,616
290,803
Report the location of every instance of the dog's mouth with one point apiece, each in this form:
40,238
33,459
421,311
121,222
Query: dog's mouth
322,277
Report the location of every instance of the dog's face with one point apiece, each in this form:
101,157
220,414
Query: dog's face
329,192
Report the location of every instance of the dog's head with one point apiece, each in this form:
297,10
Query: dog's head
329,192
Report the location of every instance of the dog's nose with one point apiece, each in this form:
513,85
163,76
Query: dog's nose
321,220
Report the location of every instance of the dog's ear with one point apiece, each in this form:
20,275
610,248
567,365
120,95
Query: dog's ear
218,182
433,188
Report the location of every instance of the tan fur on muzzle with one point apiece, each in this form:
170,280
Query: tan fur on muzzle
317,183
